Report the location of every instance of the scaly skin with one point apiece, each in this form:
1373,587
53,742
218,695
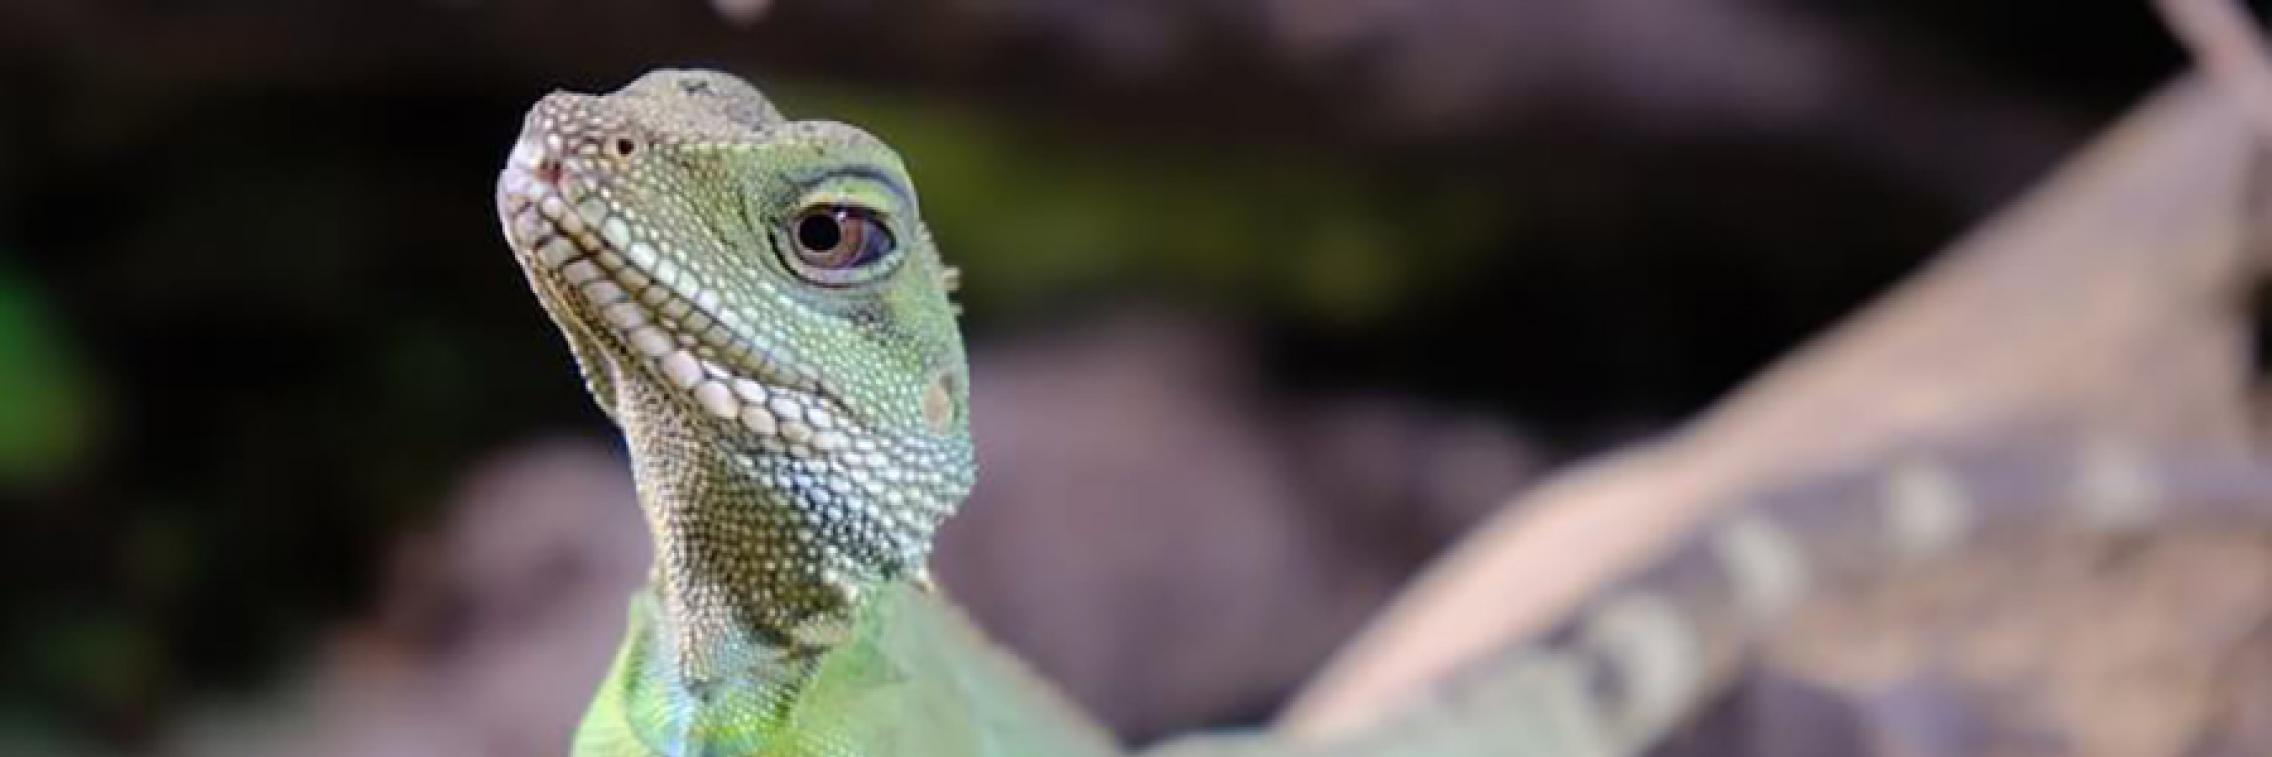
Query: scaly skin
756,303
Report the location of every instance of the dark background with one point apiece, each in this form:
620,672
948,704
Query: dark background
1267,300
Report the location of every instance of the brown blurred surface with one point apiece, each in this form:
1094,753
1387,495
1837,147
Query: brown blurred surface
1167,544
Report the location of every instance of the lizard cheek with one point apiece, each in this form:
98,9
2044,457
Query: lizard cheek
939,400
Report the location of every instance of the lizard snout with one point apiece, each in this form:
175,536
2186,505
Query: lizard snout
573,136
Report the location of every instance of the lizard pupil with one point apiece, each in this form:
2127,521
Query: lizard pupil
624,146
820,232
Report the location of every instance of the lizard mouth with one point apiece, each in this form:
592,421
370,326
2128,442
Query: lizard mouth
620,288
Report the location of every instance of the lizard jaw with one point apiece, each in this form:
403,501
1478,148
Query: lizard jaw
618,288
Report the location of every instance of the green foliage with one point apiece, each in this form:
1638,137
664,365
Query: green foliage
46,411
1042,212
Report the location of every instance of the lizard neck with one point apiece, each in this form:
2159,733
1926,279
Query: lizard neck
790,700
711,655
762,563
738,583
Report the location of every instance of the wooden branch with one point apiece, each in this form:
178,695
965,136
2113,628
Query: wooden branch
2225,44
2108,301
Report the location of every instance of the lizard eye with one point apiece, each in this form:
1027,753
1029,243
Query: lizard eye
839,245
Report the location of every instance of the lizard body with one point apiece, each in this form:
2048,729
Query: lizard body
756,303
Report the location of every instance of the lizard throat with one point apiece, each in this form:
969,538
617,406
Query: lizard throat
598,265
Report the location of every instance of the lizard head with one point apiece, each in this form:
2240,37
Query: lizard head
757,303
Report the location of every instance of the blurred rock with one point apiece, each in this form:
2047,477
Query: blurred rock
491,635
1174,547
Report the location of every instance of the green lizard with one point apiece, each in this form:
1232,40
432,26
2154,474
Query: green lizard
756,303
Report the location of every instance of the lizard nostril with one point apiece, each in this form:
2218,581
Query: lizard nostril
548,170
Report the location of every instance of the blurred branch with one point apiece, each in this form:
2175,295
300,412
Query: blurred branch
2108,302
742,12
2224,40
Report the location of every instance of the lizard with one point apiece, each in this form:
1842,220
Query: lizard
756,303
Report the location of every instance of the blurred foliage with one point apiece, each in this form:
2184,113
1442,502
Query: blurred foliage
1041,212
46,411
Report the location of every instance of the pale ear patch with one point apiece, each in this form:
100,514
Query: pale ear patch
1927,512
1764,566
939,400
1658,657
